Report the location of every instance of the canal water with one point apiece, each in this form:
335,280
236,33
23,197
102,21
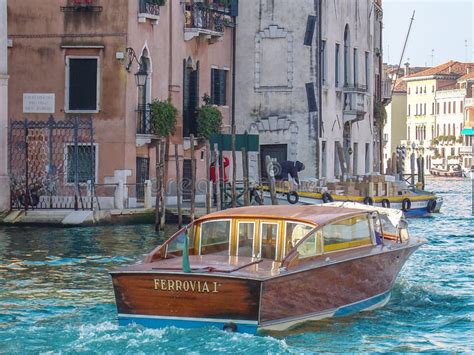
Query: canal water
56,295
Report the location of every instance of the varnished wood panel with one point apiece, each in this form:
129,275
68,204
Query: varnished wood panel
138,294
331,286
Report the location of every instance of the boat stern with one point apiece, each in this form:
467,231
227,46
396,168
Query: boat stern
158,299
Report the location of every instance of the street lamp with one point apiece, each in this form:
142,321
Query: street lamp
141,76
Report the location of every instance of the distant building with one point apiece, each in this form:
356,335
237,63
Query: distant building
78,50
4,179
395,128
307,82
435,113
467,150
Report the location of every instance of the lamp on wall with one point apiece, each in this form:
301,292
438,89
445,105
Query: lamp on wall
141,75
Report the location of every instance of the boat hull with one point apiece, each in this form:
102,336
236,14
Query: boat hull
332,288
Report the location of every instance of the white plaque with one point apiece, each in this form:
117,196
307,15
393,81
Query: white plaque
38,103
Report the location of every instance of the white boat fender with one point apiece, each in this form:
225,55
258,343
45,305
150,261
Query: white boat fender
327,197
368,201
386,203
406,204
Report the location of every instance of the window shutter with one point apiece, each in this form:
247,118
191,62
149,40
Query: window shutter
213,83
83,84
310,94
310,26
223,86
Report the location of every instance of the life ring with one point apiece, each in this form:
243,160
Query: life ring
327,197
230,327
386,203
406,204
292,197
431,205
368,201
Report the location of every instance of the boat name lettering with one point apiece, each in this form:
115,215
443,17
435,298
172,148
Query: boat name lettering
186,286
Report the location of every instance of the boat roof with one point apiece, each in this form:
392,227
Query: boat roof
311,214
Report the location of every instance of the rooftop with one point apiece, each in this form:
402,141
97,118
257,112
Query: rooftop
450,68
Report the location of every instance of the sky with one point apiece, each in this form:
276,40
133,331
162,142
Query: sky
442,25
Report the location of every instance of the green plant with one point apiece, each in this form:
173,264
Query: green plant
163,118
460,139
380,114
158,2
209,119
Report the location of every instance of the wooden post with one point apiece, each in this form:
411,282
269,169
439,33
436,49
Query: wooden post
422,173
245,171
234,171
163,185
158,185
394,164
178,187
208,178
222,180
193,179
271,178
342,160
259,177
412,167
216,171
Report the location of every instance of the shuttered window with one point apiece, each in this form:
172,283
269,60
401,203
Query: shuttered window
82,85
218,87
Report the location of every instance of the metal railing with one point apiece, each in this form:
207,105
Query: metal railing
149,7
143,120
202,16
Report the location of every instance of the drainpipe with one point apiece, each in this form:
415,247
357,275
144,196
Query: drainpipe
170,50
320,87
234,45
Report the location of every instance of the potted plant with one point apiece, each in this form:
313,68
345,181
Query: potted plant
163,118
209,119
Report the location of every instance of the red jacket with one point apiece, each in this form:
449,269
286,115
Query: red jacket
213,171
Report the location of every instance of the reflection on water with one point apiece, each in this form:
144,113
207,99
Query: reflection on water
56,295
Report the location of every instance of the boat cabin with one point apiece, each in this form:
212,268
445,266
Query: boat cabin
287,236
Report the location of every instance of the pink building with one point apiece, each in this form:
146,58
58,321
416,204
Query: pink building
76,52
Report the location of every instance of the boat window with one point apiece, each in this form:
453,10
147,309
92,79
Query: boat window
268,239
246,232
348,233
294,233
215,236
177,243
311,246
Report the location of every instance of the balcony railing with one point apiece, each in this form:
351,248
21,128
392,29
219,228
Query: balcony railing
205,19
143,120
466,150
149,7
81,6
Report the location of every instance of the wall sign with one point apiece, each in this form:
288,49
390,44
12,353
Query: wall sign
38,103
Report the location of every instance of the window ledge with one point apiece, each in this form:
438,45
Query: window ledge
142,17
81,111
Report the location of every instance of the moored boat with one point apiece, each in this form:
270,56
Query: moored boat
266,267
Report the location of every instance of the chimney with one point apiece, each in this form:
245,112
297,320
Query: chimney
407,69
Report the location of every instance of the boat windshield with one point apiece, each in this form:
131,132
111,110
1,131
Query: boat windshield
215,237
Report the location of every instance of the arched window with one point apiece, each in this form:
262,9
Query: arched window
347,53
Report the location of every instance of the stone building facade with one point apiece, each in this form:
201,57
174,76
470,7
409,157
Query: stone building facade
87,45
308,74
4,180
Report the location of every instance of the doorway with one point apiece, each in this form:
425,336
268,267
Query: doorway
275,151
143,174
190,97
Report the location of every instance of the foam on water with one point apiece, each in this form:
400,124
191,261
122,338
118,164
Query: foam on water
56,296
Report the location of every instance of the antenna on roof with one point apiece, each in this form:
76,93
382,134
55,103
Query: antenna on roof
403,52
466,46
432,57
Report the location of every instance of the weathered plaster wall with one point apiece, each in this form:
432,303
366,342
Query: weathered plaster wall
4,180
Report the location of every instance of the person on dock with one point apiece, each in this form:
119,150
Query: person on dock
291,168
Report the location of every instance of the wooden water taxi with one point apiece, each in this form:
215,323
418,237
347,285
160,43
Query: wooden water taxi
266,267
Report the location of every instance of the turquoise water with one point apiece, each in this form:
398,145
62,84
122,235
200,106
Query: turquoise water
56,295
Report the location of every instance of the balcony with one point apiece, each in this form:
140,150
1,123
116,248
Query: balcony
355,103
81,6
386,90
149,9
467,150
205,20
469,102
145,132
